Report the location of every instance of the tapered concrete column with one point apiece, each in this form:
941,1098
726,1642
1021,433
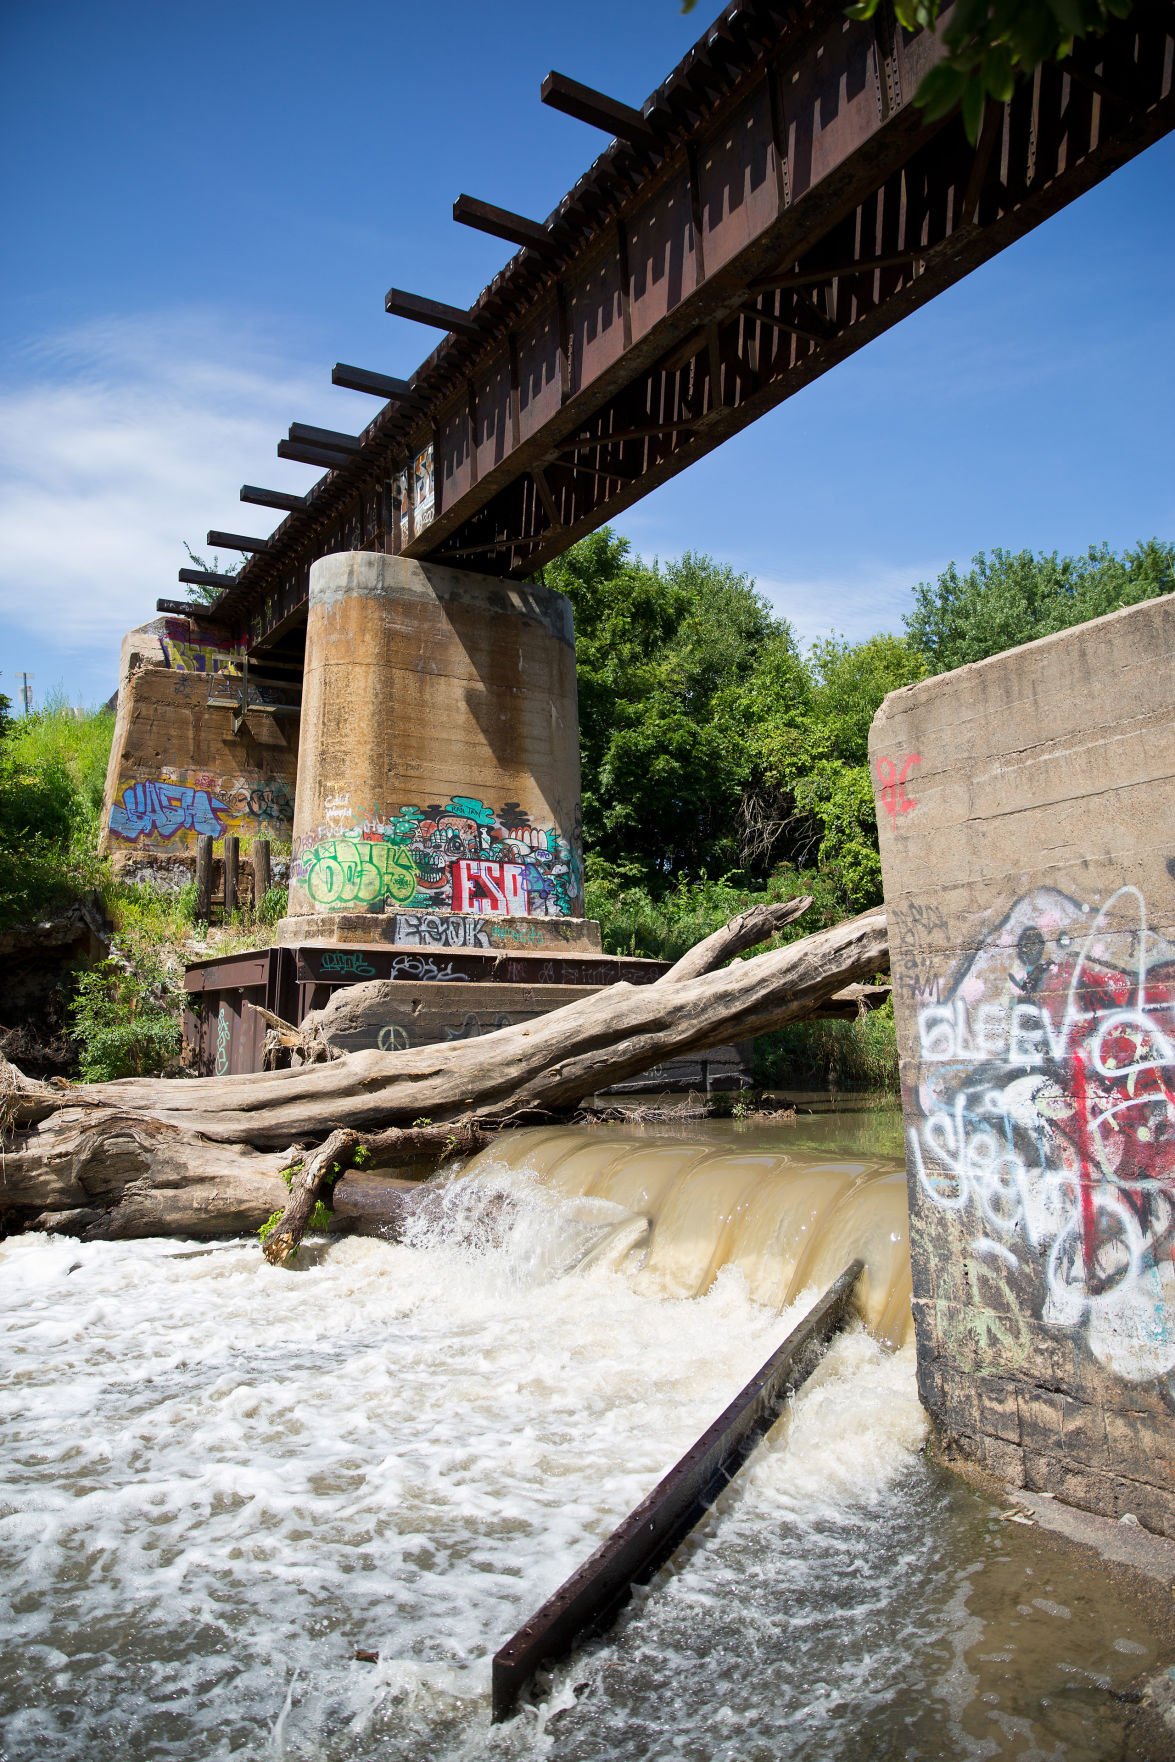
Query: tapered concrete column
439,753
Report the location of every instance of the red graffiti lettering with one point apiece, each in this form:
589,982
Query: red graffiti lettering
892,779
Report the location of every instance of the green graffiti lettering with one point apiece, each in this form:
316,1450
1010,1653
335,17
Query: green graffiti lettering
345,871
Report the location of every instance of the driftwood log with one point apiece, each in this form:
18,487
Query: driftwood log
205,1156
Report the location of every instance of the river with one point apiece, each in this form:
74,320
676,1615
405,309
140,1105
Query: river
219,1482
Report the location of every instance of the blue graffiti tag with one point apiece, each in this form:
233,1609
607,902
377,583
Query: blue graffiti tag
166,808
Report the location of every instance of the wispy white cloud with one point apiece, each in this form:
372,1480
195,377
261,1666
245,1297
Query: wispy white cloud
119,441
858,600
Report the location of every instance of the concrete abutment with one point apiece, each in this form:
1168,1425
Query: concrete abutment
1026,806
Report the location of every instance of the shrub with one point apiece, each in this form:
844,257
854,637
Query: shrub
861,1054
127,1021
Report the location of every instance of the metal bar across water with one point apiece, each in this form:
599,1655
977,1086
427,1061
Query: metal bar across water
649,1535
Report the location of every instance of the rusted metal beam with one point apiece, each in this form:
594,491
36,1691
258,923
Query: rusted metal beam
236,541
379,385
306,435
770,284
501,223
332,461
422,311
593,1596
585,104
205,578
271,498
186,609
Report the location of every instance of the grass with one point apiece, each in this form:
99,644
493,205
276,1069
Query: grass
52,776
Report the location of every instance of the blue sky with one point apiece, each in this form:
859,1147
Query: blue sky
204,205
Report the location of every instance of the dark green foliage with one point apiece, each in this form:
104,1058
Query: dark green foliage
127,1022
713,751
1015,597
660,651
861,1054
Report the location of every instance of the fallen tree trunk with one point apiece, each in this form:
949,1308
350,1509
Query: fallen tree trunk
205,1156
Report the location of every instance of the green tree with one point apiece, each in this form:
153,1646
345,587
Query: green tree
814,754
1015,597
665,654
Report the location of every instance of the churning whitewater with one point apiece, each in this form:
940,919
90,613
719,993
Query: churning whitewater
219,1483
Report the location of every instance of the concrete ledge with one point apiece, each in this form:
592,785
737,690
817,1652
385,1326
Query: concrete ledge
444,930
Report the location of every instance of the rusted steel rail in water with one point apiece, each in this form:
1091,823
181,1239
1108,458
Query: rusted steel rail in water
594,1594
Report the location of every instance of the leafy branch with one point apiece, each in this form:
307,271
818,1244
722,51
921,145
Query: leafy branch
989,44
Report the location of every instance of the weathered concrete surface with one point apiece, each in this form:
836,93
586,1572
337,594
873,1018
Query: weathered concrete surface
1027,816
445,930
177,769
440,745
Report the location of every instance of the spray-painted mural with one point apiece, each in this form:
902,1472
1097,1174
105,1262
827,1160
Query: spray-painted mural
1046,1094
177,807
185,652
460,856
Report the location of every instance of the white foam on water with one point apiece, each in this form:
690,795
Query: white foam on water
218,1481
218,1478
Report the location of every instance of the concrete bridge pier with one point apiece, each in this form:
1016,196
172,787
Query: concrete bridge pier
437,800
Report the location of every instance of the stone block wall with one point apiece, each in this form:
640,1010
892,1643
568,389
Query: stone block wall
1026,807
177,769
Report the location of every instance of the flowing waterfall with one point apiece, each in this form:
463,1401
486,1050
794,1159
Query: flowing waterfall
787,1220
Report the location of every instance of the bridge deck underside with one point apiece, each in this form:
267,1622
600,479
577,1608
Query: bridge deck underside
790,216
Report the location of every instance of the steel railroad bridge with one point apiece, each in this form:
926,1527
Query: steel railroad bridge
774,205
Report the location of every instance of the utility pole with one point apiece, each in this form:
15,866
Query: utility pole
26,692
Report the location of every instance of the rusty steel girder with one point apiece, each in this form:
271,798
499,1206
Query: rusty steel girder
791,204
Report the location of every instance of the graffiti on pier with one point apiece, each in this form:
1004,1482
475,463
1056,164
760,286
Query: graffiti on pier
202,654
460,856
164,809
177,807
361,873
919,931
1046,1094
430,930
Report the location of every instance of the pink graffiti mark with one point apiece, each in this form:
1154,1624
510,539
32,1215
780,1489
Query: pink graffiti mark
892,779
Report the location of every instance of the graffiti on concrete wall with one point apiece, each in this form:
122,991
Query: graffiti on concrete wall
157,809
892,777
1046,1103
461,857
431,930
177,807
188,653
